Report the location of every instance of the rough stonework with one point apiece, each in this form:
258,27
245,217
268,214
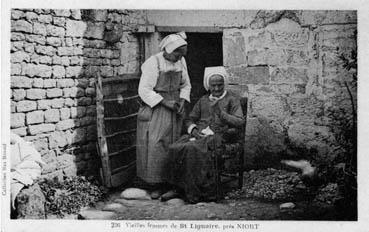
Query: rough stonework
301,50
54,58
286,61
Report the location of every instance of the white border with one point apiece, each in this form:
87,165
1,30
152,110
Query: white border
363,103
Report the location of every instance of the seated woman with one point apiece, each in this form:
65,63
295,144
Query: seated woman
213,115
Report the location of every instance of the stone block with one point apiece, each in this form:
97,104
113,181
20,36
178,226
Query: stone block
95,30
38,83
90,92
289,75
100,15
40,39
53,93
79,135
269,106
76,14
91,52
57,103
303,135
106,71
15,36
17,120
35,117
29,47
78,112
70,92
256,57
41,128
58,71
39,29
56,59
22,131
83,83
64,113
52,115
31,16
49,83
16,14
45,19
65,60
15,69
73,71
39,70
69,42
69,102
35,94
249,75
45,50
65,124
84,101
45,60
43,104
234,50
75,60
21,25
18,94
55,31
63,83
115,62
75,28
61,13
16,46
59,21
78,42
53,41
66,160
20,82
19,56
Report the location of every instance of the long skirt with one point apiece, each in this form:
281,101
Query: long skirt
192,167
157,128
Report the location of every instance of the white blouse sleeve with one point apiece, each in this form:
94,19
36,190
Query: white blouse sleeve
149,77
185,83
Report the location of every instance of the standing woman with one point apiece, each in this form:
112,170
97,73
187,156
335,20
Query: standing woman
164,87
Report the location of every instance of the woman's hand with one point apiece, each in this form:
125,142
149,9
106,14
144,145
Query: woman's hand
170,104
181,106
197,134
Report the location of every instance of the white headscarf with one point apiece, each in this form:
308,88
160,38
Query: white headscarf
217,70
173,41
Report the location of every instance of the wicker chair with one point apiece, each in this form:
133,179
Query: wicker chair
229,158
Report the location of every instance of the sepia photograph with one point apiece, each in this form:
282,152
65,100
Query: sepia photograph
139,116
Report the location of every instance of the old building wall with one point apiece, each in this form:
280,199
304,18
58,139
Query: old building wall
288,61
55,55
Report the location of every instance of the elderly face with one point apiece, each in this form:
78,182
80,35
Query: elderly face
216,85
177,54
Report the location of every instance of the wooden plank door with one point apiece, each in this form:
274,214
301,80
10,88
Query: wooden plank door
117,104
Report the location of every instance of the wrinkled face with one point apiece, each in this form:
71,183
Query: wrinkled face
216,85
177,54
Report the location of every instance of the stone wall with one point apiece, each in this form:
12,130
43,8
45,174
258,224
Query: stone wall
55,55
289,63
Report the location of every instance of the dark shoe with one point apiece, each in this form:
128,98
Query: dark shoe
156,194
169,195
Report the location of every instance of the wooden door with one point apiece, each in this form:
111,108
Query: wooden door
117,106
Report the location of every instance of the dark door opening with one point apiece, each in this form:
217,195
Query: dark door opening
204,50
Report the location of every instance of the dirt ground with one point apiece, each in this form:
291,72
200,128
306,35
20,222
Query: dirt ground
227,209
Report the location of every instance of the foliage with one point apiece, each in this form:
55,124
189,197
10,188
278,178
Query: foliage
70,195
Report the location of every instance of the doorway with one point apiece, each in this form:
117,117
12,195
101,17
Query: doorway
204,50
